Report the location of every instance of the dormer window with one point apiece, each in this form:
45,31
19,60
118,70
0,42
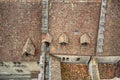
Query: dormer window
47,38
29,48
27,54
85,40
63,39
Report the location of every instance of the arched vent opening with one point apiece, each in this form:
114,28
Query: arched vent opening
85,40
26,54
78,59
47,39
63,59
47,45
67,59
63,39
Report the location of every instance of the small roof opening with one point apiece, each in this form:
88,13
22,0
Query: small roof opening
47,38
85,40
29,48
63,39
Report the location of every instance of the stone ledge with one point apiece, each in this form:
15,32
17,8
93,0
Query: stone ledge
54,69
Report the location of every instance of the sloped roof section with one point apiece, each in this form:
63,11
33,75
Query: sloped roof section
29,47
47,38
112,29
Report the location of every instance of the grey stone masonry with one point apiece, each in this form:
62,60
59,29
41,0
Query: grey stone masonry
42,62
74,59
45,4
10,71
54,69
108,59
101,30
93,69
112,79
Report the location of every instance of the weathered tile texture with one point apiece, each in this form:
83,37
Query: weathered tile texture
112,29
18,22
74,19
74,71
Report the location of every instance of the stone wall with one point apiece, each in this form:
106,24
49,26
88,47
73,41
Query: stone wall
19,20
112,79
54,69
93,69
74,59
108,59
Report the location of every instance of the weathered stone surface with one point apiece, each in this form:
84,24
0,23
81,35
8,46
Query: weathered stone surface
112,79
45,11
11,72
93,69
19,70
74,59
108,59
54,69
101,29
